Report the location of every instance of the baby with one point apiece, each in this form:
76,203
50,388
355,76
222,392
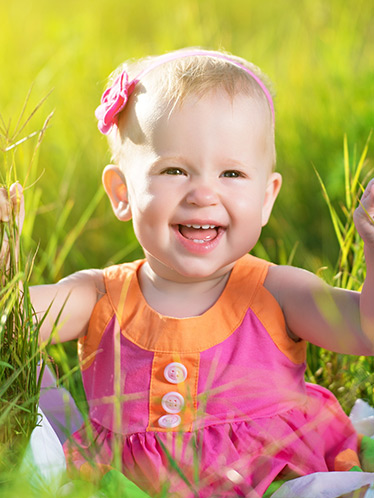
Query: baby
193,358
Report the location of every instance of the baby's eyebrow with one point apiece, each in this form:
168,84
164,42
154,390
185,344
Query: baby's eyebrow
234,163
174,159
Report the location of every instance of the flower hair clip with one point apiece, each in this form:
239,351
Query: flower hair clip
114,99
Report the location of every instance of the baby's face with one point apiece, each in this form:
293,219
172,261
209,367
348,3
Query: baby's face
200,184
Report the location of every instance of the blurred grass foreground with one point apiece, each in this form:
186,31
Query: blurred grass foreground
20,354
319,55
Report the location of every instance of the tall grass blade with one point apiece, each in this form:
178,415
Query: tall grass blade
347,176
360,165
334,217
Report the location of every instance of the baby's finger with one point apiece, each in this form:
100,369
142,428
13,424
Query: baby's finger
369,191
366,203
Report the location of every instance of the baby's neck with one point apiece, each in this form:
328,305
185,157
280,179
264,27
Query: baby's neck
179,299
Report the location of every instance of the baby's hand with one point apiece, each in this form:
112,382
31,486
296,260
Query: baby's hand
10,203
364,215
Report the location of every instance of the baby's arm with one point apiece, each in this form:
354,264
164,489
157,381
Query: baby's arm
323,315
335,319
71,301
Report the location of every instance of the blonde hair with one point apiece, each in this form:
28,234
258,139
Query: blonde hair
175,80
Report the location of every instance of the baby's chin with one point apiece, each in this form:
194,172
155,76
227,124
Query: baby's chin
191,273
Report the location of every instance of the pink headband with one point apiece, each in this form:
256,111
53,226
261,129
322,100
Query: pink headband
114,99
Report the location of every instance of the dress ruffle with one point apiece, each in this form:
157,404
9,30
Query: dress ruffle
240,458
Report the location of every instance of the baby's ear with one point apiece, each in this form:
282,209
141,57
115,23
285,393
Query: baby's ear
272,190
116,188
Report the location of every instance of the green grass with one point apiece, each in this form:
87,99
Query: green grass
19,349
319,55
348,377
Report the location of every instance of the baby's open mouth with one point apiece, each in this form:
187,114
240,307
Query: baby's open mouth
199,233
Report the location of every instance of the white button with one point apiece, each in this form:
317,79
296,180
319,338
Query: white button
169,421
175,373
172,402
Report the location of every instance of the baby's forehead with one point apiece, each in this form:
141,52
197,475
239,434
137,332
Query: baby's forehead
150,107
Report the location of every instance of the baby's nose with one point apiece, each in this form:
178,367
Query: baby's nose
202,195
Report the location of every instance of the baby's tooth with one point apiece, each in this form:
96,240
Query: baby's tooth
204,227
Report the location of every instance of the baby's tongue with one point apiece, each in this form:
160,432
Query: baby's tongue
198,233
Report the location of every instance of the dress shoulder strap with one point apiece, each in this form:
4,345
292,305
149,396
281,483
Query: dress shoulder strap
116,279
268,311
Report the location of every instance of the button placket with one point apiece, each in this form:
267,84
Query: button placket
173,387
173,402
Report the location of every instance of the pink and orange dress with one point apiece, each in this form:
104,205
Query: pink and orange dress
213,405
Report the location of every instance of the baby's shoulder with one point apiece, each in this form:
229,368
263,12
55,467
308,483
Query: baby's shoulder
90,282
289,276
284,278
294,287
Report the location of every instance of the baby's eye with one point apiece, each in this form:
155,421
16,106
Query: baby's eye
232,174
173,171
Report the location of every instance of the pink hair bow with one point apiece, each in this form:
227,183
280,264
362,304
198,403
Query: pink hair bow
113,101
